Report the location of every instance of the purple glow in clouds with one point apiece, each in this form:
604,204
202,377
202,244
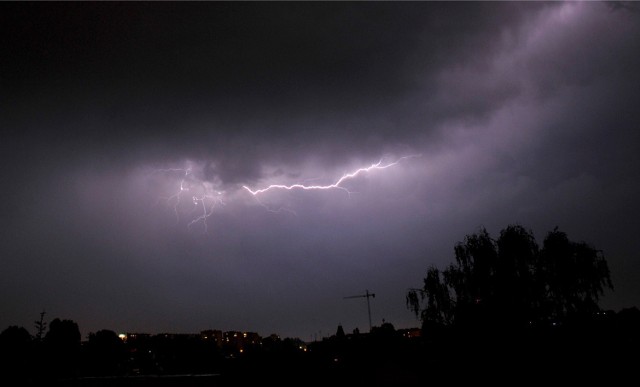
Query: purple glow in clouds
195,198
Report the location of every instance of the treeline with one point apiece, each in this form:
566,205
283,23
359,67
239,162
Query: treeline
59,354
598,345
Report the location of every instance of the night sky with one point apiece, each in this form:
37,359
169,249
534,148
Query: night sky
128,131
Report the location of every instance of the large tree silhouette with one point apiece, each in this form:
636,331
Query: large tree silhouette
62,348
104,354
15,348
511,282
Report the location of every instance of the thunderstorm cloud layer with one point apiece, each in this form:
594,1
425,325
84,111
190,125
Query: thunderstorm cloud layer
136,136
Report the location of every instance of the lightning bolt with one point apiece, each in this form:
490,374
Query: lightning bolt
207,203
194,199
203,203
334,185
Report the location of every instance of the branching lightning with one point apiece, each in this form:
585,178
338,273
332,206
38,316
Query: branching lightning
335,185
203,197
194,199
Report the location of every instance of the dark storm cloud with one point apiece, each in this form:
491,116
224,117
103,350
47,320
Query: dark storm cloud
203,79
520,112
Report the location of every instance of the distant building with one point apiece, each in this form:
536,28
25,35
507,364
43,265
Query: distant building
133,338
235,342
410,333
178,336
214,336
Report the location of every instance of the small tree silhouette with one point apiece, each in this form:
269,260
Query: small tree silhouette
41,326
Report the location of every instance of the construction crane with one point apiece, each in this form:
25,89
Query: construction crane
367,295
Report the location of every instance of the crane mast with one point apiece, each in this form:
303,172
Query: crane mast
367,295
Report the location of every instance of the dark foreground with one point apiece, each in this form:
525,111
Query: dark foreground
504,363
607,354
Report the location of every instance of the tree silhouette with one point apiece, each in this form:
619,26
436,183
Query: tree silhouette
511,282
104,354
62,348
15,347
575,275
438,307
41,326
